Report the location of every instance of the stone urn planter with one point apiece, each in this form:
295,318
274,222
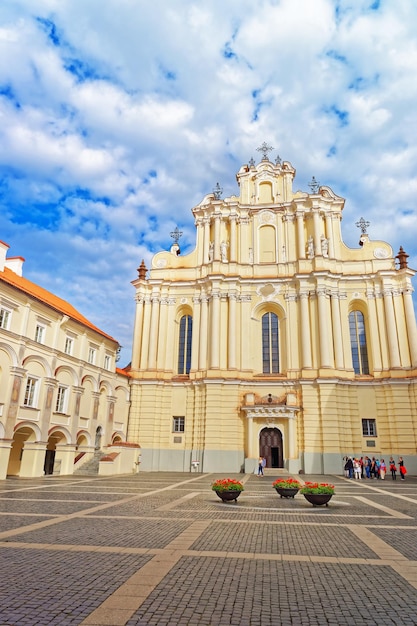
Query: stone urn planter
286,488
286,493
318,494
228,496
318,499
227,489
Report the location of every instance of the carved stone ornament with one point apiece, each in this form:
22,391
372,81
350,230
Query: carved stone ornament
268,291
266,217
161,263
381,253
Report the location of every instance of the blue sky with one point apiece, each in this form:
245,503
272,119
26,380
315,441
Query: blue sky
118,116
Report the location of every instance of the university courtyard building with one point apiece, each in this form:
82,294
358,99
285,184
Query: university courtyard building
273,337
64,404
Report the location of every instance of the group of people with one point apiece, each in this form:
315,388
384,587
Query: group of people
365,467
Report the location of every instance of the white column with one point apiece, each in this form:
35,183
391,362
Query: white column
329,234
305,331
336,235
145,333
244,240
291,360
300,235
282,244
171,357
410,320
251,453
288,220
233,238
200,241
373,326
215,331
316,231
245,301
217,217
337,331
162,335
203,365
137,334
292,447
196,334
206,244
324,327
232,331
391,330
153,339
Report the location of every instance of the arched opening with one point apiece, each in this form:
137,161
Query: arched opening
16,453
270,447
82,440
53,440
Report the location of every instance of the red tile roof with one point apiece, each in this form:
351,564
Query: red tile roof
49,299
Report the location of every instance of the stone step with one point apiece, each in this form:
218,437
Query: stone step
90,468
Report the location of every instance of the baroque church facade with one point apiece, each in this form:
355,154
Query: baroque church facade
273,338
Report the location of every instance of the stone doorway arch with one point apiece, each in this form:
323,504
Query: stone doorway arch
270,447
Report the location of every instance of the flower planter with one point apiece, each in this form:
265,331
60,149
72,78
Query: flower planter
318,499
286,493
228,496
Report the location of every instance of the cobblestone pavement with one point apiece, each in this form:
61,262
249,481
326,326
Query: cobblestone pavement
162,549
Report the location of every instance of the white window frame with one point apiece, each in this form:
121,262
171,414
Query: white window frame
31,392
369,425
5,317
92,355
178,424
40,331
69,345
61,405
107,362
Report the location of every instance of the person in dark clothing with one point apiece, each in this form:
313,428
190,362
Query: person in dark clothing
349,467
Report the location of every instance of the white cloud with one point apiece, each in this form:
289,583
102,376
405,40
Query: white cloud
117,117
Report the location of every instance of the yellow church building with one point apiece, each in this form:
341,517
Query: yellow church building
273,338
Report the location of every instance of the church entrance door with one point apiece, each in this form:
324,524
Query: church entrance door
270,446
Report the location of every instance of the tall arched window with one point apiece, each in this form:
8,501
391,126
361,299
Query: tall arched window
184,347
270,344
358,342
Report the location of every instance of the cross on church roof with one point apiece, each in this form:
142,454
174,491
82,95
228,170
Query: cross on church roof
176,234
264,148
217,192
363,225
314,185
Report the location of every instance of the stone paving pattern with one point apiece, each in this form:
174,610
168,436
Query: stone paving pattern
162,549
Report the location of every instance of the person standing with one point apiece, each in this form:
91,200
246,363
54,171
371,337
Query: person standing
349,468
260,466
382,469
393,469
357,469
368,467
401,465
